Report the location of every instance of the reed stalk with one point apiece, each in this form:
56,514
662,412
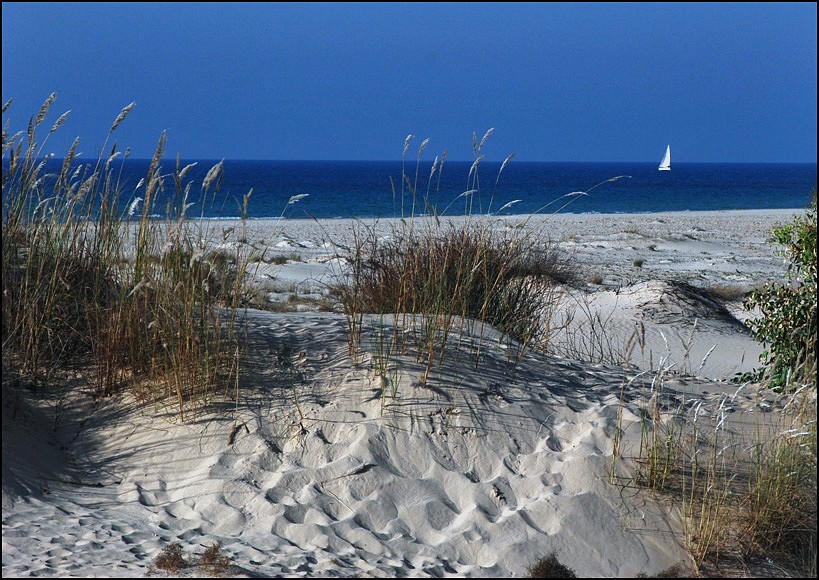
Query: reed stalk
153,314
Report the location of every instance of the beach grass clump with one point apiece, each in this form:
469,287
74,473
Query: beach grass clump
779,513
470,271
92,278
746,487
171,559
213,560
437,277
62,248
550,567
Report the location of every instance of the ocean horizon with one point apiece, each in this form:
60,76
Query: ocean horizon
376,189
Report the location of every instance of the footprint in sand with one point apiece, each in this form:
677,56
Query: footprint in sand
376,514
180,510
553,482
289,485
439,514
155,497
295,513
502,494
221,519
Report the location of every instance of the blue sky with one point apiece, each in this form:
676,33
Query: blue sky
349,81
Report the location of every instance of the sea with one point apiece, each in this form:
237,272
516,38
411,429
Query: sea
383,189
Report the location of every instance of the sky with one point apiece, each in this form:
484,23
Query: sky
733,82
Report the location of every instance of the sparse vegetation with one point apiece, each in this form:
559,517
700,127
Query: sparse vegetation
550,567
743,493
141,301
213,560
437,275
787,321
171,559
749,493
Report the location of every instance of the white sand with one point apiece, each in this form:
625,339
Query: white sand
319,471
702,248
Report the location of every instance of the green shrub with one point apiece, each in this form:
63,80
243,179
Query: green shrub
787,321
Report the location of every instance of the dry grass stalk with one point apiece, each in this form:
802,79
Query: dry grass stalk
436,277
156,313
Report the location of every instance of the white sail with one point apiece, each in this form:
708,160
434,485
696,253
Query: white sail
665,164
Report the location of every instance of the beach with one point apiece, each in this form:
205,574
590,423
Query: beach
704,248
329,463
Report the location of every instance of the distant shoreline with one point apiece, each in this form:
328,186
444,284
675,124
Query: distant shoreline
565,216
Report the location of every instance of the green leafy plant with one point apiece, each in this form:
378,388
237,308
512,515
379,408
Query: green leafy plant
787,321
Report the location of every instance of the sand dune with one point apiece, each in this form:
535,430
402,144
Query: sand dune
657,324
332,465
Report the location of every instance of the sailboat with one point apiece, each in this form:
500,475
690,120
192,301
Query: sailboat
665,164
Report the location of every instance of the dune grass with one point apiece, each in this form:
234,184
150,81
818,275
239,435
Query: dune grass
756,494
747,486
91,278
438,275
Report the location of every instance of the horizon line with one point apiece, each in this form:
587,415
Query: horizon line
414,162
